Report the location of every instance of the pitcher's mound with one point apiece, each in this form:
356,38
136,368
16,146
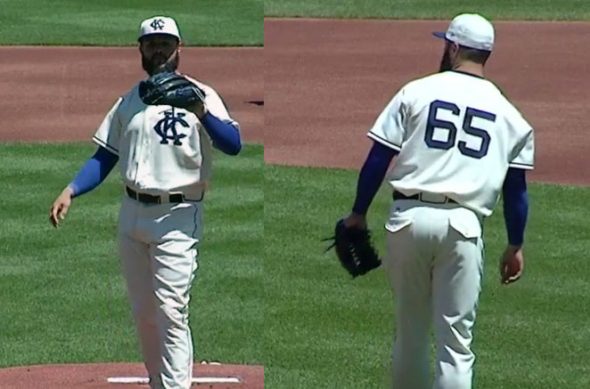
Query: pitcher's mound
124,376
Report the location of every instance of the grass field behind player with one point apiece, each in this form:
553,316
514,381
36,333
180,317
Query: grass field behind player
115,23
325,331
430,9
331,332
63,296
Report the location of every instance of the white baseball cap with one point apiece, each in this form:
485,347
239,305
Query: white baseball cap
159,25
470,30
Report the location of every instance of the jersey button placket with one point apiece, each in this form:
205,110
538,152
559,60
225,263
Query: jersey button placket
141,148
148,143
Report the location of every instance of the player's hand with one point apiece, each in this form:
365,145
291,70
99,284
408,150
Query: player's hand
199,109
354,220
511,264
60,207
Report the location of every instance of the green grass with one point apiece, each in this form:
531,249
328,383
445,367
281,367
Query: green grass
63,296
430,9
293,308
116,22
324,330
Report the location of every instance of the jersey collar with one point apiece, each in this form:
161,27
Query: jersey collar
468,74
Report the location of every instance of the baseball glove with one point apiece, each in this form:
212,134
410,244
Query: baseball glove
170,88
354,249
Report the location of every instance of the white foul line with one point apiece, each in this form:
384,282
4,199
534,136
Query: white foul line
198,380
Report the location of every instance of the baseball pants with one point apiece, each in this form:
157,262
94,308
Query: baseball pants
157,245
434,265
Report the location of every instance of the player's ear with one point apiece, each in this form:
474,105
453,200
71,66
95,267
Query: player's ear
454,50
140,45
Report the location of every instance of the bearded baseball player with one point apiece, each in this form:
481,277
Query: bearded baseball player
161,132
458,144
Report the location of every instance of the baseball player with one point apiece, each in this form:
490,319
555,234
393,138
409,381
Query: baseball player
164,155
458,143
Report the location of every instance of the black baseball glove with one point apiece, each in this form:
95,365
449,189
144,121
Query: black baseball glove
354,249
170,88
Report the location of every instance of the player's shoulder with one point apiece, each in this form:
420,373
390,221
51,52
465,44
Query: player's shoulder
205,87
425,83
414,90
508,107
130,94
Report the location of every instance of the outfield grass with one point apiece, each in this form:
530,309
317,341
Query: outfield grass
430,9
116,22
63,297
324,330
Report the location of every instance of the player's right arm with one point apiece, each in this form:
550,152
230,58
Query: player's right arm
89,177
95,170
516,206
515,195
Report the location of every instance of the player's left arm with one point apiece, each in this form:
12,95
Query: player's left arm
387,134
370,178
221,128
225,135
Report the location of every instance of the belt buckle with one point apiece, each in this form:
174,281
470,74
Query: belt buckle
433,198
182,198
197,199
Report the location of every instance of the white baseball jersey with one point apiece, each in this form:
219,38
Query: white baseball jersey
161,149
457,135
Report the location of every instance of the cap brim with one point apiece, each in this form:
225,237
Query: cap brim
158,34
440,35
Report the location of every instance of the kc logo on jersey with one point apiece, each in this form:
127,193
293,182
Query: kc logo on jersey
157,24
166,127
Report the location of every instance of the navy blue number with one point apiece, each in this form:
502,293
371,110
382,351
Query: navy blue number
478,132
433,123
471,113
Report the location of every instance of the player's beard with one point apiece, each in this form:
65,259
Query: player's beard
445,63
158,63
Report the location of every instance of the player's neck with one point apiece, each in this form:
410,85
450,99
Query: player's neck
471,68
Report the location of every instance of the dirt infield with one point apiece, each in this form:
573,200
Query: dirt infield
327,80
96,376
62,93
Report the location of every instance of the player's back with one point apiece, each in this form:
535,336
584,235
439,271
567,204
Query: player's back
457,136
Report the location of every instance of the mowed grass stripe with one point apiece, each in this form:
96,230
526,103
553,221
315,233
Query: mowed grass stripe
319,320
430,9
63,297
116,23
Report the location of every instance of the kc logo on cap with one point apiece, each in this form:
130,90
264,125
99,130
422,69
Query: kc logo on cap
159,25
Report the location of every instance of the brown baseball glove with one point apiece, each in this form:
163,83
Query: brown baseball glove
354,249
170,88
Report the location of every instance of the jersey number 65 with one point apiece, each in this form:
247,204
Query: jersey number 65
470,114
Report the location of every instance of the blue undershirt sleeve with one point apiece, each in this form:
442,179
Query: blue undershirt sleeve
225,136
94,171
516,205
371,176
